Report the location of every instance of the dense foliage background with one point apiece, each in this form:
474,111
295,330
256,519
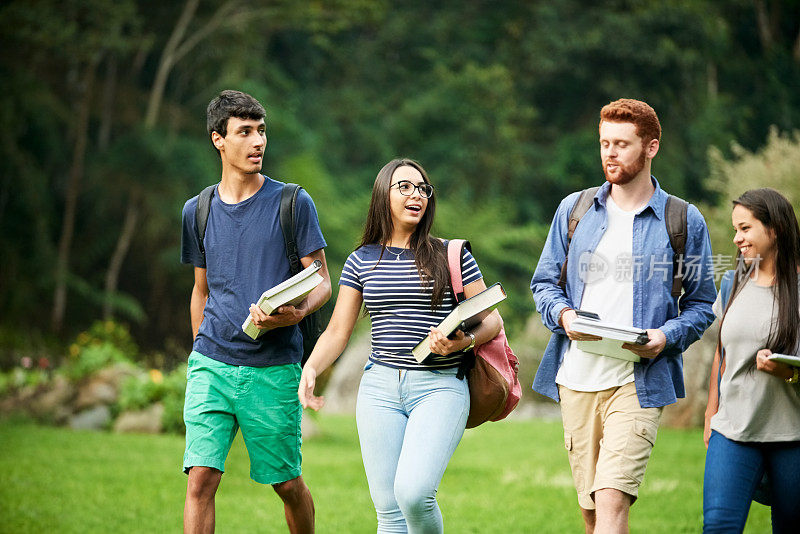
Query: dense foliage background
104,107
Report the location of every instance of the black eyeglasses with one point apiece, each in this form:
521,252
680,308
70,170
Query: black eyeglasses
406,188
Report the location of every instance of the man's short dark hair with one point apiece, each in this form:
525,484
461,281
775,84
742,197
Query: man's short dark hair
229,104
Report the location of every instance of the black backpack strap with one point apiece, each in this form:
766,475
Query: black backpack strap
288,200
201,215
675,217
582,205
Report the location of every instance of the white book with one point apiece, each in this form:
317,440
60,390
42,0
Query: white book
290,292
626,334
464,316
788,359
608,347
614,336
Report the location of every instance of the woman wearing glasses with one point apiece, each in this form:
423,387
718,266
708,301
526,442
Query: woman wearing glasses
753,418
410,415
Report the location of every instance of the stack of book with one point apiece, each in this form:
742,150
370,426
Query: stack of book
614,336
288,293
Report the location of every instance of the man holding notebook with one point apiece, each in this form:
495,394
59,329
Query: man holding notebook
234,380
620,266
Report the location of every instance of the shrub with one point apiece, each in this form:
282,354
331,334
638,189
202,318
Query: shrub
92,358
111,332
19,377
104,343
775,165
174,394
140,391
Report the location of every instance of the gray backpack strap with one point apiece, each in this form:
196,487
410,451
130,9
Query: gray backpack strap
675,215
201,214
288,200
582,205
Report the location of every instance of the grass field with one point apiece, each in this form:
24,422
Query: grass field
508,477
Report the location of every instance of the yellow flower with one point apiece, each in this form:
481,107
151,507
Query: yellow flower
156,376
74,350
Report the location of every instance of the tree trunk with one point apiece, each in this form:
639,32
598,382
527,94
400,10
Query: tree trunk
123,244
796,48
134,201
107,115
175,49
166,63
712,81
763,25
71,200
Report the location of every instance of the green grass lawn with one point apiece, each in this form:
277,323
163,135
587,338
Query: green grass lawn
505,477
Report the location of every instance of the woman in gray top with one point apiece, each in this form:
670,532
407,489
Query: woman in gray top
752,424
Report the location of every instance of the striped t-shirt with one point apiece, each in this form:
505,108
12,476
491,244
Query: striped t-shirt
399,306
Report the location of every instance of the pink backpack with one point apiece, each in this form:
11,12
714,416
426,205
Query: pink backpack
494,388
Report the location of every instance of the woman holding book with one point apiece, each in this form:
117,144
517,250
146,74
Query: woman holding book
752,424
410,415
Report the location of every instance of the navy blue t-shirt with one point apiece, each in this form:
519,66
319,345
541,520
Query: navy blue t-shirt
246,255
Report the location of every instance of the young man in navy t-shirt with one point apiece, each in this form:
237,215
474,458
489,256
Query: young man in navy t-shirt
233,380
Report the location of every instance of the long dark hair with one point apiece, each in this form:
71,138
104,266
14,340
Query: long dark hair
777,215
429,252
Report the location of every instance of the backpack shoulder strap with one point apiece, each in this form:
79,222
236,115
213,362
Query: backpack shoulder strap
288,201
725,287
582,205
201,214
675,214
455,251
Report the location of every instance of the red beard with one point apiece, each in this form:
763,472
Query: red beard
626,173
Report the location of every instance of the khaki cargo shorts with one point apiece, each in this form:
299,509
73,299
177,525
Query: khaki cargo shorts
608,438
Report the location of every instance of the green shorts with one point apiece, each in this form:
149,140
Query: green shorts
263,401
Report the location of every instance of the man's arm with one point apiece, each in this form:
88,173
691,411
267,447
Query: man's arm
549,297
698,286
289,315
199,298
320,294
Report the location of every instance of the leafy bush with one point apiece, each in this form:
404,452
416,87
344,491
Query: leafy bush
92,358
17,344
104,343
136,392
775,165
18,378
140,391
111,332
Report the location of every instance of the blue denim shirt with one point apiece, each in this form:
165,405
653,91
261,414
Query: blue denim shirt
659,381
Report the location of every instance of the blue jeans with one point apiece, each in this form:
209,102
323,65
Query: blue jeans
409,424
733,471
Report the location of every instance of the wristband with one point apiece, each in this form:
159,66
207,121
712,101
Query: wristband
795,378
471,343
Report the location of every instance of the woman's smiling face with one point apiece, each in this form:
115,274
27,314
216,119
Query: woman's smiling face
752,238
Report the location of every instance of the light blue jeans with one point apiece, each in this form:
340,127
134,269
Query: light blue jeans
409,424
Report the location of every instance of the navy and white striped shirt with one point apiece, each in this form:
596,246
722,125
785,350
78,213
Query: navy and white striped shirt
398,304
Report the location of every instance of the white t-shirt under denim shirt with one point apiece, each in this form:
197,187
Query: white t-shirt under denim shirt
753,405
608,293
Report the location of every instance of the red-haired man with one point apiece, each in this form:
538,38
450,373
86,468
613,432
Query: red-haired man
619,264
